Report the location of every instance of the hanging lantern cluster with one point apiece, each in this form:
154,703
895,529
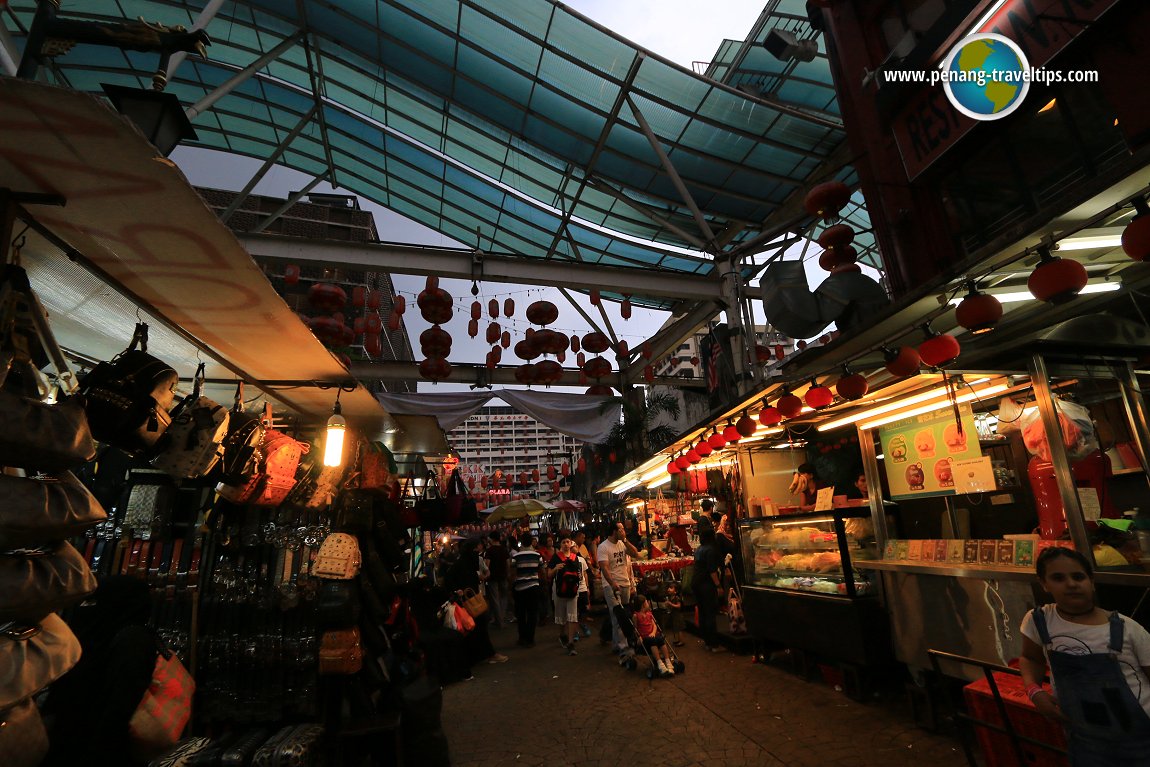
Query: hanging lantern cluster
436,306
329,328
826,200
1136,235
1056,280
978,312
838,253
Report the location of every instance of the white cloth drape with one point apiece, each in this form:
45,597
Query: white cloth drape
577,415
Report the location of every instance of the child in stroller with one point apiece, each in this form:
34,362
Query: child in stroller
644,633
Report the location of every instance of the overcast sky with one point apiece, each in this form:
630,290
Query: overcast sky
684,32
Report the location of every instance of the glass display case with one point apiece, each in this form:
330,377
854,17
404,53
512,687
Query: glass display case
810,552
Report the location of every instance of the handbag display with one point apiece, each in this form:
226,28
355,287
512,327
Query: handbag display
32,656
337,604
296,745
378,470
278,459
475,604
127,399
44,509
37,581
165,709
150,501
338,558
356,511
181,755
340,652
461,508
23,739
194,442
241,445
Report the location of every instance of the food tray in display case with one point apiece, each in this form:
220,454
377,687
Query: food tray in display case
809,552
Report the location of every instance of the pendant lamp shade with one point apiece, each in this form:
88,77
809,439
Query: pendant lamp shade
789,405
978,312
938,349
903,362
1056,280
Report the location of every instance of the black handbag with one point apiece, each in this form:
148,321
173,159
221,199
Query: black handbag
242,444
36,582
128,398
337,604
45,509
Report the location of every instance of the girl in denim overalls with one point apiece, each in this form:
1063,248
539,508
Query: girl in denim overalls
1098,664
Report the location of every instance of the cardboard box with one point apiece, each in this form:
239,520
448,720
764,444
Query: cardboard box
970,551
1024,553
1005,553
987,552
954,548
914,550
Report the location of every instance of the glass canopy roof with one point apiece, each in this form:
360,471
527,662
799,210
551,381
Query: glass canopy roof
518,126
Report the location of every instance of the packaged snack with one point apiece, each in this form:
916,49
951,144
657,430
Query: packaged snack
987,552
954,549
1006,553
970,551
914,550
1024,553
940,549
928,551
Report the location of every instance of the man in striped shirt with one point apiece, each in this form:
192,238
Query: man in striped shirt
527,589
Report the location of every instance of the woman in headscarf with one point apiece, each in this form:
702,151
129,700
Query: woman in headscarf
462,575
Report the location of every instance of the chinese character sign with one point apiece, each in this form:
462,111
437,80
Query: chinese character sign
920,452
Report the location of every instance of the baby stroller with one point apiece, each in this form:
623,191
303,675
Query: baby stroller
635,646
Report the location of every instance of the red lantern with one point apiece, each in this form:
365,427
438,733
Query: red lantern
508,307
1136,235
852,386
625,309
580,360
435,369
493,308
717,440
372,323
434,307
473,328
837,236
505,340
595,297
770,416
431,283
326,297
780,352
746,425
549,342
596,343
555,488
731,434
818,397
497,352
525,374
762,354
523,478
836,259
694,361
693,457
483,482
476,310
704,448
471,483
673,467
789,405
648,374
1056,280
398,303
291,274
574,342
375,300
597,367
902,363
978,312
492,335
565,469
358,296
600,390
542,313
551,473
393,321
372,344
489,361
358,324
683,462
525,350
326,329
548,372
435,342
622,350
938,349
581,466
535,475
827,199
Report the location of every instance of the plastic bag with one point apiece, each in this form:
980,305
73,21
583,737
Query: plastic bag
1078,434
464,623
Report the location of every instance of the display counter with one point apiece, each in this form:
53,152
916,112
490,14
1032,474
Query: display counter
803,589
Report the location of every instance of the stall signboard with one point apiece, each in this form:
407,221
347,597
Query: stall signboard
920,451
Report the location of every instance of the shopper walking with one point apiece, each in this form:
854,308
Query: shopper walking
497,584
565,573
1099,664
617,581
705,582
465,574
527,592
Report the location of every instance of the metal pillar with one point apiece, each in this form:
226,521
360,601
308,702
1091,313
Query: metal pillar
1135,404
1071,506
731,291
874,483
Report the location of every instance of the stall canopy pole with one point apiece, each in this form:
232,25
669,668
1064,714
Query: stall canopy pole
874,483
1136,412
1066,489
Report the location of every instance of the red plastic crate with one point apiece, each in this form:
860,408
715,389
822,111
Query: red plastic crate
996,747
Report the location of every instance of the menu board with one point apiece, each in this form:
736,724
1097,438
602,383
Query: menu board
920,451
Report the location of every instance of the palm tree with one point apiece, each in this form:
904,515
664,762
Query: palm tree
639,433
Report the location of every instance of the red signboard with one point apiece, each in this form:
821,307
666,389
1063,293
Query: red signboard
930,125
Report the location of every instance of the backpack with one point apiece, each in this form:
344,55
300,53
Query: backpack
567,579
279,457
193,443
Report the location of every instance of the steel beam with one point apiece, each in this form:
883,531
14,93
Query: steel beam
288,203
456,264
206,15
9,54
238,78
672,335
481,375
268,164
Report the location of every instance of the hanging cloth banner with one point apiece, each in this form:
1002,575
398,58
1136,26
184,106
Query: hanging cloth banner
577,415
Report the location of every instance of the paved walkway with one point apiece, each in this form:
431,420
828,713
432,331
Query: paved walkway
545,708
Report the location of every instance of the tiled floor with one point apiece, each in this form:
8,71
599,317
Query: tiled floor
545,708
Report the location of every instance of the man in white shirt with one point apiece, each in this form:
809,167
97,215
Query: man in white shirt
615,574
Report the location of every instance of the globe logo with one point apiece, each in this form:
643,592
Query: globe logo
986,76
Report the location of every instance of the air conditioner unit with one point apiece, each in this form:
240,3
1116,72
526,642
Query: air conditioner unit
784,46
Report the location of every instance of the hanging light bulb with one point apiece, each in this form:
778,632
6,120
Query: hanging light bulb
333,442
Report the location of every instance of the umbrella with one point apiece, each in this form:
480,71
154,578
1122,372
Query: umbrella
570,505
516,509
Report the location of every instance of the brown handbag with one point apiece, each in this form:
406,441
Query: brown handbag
45,509
340,652
23,739
33,656
37,435
475,604
37,581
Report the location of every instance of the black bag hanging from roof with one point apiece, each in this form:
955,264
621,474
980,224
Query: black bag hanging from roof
127,399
